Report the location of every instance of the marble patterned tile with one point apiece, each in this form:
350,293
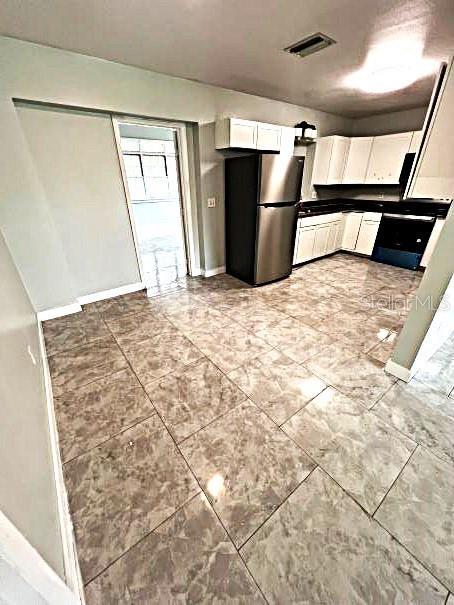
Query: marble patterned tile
256,316
320,547
73,331
384,349
194,318
298,341
187,559
423,414
164,353
128,304
277,384
419,512
179,301
79,366
314,313
123,489
133,329
352,373
356,328
438,371
228,346
362,453
191,398
97,411
246,466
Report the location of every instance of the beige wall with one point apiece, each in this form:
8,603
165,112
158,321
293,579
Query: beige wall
387,123
49,75
27,488
76,159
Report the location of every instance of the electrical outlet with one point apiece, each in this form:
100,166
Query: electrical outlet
314,195
211,202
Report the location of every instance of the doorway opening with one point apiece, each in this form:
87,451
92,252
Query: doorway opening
152,173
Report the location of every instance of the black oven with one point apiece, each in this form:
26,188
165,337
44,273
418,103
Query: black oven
402,239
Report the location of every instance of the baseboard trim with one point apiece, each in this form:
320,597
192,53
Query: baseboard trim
59,312
104,294
398,371
26,575
70,561
211,272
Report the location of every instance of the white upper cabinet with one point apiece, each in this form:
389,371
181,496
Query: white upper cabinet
235,133
329,163
357,160
268,137
387,157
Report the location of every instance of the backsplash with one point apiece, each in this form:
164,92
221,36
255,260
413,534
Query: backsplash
389,193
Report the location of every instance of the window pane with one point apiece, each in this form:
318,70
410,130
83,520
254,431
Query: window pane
132,165
157,187
136,189
154,165
169,147
128,144
152,146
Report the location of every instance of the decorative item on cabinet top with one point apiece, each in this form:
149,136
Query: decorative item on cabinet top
376,160
248,135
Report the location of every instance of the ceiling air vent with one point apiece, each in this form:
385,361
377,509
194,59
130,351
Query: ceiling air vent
309,45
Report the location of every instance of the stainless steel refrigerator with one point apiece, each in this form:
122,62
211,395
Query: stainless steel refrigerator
261,193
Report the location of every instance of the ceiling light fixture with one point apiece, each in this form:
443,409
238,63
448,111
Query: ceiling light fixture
391,66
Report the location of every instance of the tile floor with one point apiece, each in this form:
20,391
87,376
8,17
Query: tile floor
229,444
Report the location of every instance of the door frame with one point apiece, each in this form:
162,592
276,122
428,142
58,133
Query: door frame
188,206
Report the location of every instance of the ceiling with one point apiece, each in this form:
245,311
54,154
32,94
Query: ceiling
238,44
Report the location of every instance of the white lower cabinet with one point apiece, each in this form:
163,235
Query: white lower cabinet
351,230
325,234
367,236
304,245
321,241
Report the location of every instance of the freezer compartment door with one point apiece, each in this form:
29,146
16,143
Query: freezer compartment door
275,240
280,178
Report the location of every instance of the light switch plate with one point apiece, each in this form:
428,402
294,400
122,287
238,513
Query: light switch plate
211,202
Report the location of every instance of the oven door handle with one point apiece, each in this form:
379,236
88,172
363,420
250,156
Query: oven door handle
411,217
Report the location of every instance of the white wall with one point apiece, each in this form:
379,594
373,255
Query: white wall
387,123
49,75
426,308
27,487
77,162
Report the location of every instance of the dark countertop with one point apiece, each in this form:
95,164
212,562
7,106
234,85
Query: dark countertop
427,207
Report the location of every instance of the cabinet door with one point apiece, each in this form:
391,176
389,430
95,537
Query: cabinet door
366,237
351,230
387,157
243,133
332,237
268,137
321,240
323,148
337,161
357,160
305,248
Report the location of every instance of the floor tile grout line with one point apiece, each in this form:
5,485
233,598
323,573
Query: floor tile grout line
408,551
203,491
144,537
117,434
395,480
279,506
